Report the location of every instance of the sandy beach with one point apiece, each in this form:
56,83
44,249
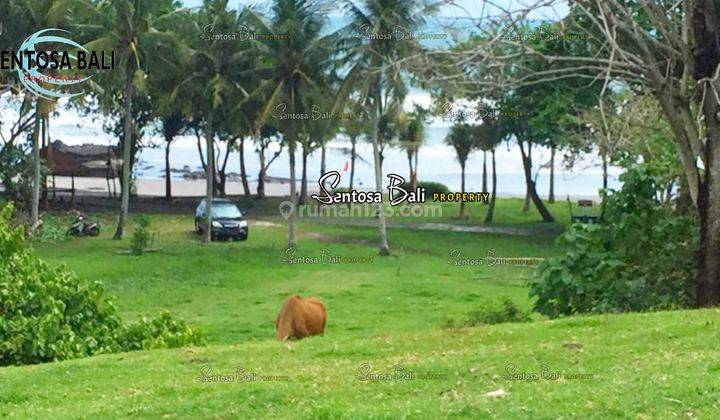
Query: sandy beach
196,188
180,187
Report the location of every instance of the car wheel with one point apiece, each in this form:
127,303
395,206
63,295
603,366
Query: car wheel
243,237
198,229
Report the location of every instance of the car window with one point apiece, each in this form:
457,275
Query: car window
226,211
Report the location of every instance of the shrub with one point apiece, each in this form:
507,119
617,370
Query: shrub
16,172
160,332
433,187
504,310
641,259
141,235
47,313
51,231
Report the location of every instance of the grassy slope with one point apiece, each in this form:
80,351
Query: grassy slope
507,213
383,313
644,366
234,290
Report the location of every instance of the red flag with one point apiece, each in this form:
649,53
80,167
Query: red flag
347,165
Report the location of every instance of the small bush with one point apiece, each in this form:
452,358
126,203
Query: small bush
641,259
48,314
141,235
504,310
433,187
51,231
161,332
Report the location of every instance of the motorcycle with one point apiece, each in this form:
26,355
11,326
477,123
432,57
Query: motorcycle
81,228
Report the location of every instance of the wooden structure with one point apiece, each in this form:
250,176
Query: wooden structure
86,160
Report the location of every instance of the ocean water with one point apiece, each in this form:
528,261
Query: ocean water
436,162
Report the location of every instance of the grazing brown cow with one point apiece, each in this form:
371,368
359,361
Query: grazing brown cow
300,317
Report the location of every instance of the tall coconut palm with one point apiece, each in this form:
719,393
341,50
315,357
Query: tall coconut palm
165,73
298,54
378,61
354,127
214,76
173,124
263,138
36,15
412,132
127,27
489,136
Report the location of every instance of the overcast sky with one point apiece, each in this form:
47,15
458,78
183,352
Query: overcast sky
458,8
74,129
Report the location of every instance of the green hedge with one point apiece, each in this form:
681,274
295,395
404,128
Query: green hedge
48,314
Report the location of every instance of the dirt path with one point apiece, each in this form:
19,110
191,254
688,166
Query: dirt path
449,227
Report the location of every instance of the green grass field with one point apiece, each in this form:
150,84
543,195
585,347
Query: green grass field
385,315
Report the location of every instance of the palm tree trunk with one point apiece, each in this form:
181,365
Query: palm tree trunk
127,140
209,177
34,208
384,248
261,174
410,166
484,175
415,172
462,189
292,241
220,174
304,180
168,179
323,161
352,162
243,171
200,152
551,194
491,206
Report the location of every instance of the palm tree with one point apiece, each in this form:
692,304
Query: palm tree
172,125
214,77
263,138
354,128
298,65
127,27
36,15
378,63
412,131
489,136
165,73
462,138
